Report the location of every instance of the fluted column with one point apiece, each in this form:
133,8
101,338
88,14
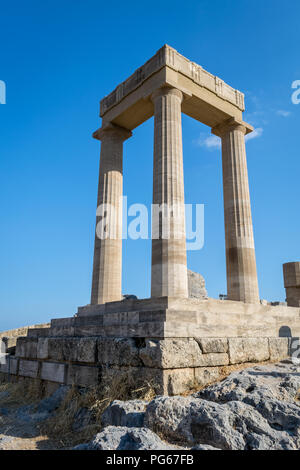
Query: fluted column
169,271
240,252
107,267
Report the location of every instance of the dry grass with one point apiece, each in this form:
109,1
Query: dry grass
95,399
21,393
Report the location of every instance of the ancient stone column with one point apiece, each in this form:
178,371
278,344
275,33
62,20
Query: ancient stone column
169,272
107,267
291,274
240,252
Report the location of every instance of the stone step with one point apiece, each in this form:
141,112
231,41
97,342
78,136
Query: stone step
38,332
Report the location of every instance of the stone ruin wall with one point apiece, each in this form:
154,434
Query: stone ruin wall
170,365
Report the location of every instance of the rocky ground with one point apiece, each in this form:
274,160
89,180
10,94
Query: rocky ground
256,408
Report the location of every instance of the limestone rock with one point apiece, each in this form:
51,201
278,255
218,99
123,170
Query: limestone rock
123,438
277,381
234,425
193,421
124,413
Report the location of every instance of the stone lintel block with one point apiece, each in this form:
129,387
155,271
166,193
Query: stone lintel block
53,372
213,345
28,368
118,351
248,350
83,375
26,347
170,353
279,348
291,274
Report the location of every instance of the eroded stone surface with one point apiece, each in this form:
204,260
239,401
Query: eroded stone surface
196,285
124,413
171,353
118,351
213,345
248,350
123,438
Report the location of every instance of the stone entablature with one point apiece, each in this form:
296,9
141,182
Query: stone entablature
167,56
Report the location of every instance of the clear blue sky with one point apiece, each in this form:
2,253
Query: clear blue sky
58,60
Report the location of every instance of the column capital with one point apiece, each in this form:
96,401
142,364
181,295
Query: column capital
110,130
231,124
166,90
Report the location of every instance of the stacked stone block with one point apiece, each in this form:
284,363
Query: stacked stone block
170,365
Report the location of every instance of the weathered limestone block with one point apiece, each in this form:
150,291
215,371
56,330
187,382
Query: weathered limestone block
213,345
118,351
213,359
4,366
72,349
38,332
55,349
83,375
171,353
178,381
62,326
196,285
42,348
28,368
14,364
9,365
279,348
79,349
248,350
86,350
26,347
207,375
53,372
